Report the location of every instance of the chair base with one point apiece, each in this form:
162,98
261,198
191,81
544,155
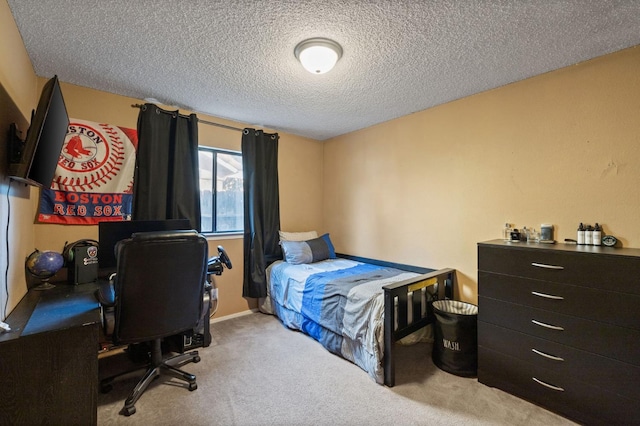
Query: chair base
155,368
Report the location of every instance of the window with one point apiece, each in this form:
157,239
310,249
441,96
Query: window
221,194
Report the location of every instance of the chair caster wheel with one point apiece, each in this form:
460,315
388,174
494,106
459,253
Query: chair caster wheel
129,411
196,358
193,386
106,388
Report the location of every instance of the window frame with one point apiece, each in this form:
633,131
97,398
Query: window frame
214,193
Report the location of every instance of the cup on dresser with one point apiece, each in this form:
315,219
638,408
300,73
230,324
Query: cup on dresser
533,236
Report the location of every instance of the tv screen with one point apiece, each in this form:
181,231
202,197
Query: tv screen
34,161
109,233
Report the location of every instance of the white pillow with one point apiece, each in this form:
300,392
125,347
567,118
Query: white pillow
297,236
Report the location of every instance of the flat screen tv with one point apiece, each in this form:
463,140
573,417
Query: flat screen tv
109,233
34,160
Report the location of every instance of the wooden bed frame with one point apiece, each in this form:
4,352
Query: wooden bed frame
407,304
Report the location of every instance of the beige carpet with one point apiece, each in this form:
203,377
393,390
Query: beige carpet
257,372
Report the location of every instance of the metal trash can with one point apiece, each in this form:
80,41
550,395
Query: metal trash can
455,344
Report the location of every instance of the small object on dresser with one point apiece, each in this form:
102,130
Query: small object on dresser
580,239
506,232
609,241
546,232
515,235
597,235
588,235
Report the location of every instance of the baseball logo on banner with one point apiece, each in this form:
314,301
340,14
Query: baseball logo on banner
94,178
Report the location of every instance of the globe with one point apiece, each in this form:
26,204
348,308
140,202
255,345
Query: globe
44,265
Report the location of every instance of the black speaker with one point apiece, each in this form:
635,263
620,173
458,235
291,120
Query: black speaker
82,261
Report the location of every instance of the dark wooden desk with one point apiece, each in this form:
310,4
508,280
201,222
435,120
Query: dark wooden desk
49,359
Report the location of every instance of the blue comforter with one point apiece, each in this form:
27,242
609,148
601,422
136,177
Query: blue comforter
338,302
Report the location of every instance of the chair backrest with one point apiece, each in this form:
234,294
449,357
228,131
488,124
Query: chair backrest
159,284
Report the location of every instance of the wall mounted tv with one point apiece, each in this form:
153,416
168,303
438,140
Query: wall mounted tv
34,160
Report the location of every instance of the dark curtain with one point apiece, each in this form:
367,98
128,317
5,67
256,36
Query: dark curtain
261,208
166,182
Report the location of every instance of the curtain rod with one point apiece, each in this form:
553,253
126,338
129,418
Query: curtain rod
211,123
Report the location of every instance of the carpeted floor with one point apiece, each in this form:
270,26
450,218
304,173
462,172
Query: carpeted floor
257,372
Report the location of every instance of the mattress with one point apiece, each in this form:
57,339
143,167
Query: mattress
338,302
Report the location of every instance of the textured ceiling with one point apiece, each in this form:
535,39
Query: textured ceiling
234,59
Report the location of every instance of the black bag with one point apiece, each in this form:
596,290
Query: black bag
455,345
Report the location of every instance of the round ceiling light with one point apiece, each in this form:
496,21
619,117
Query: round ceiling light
318,55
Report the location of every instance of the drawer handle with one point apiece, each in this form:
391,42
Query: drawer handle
555,358
545,266
547,296
552,327
555,388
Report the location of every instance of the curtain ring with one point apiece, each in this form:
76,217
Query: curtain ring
143,108
157,111
245,132
174,115
273,136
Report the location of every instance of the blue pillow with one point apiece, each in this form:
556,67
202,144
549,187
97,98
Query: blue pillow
310,251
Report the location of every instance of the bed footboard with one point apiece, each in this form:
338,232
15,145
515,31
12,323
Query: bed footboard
407,308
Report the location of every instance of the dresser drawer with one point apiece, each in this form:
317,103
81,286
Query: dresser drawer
568,363
599,305
586,269
572,398
591,336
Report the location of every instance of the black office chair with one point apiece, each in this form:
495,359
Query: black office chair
157,292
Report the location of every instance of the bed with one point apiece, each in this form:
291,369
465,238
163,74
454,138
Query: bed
355,307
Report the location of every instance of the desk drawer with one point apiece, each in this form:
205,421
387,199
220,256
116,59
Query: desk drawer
615,376
575,399
591,336
578,268
600,305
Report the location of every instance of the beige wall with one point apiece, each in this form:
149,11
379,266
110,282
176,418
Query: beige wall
561,148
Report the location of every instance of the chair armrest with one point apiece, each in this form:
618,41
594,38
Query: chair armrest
106,294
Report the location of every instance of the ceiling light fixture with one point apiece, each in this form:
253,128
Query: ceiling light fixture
318,55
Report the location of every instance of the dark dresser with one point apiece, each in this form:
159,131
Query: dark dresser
559,325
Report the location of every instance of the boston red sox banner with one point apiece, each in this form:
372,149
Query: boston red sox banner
94,178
